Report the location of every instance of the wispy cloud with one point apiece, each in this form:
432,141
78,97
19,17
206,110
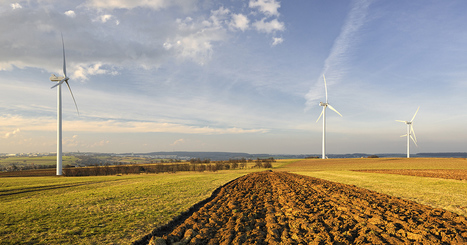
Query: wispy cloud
335,64
70,13
178,142
116,126
16,6
269,26
131,4
277,40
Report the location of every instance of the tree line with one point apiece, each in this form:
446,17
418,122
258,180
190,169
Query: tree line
195,165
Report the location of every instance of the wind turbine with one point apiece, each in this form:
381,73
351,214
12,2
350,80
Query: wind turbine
323,113
59,81
410,132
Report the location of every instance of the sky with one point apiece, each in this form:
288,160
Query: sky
234,75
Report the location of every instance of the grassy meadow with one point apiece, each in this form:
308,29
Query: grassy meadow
121,209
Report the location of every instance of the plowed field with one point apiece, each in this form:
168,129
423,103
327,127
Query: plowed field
457,174
285,208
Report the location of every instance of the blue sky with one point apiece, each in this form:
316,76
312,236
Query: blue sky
237,75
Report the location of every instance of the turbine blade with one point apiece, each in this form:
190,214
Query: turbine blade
64,64
325,89
415,114
413,132
72,97
414,141
401,121
332,108
320,115
403,135
63,80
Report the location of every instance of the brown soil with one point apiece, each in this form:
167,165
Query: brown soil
30,173
284,208
457,174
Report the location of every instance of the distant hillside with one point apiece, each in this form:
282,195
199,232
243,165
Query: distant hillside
214,156
443,154
218,156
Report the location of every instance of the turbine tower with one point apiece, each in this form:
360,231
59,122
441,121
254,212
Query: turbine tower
410,132
59,81
323,113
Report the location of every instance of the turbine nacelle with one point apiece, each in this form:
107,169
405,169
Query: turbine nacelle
323,104
54,78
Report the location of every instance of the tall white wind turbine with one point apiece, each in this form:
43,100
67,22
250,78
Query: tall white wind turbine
59,81
323,113
410,132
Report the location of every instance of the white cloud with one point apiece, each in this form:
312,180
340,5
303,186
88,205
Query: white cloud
84,71
269,27
239,21
196,46
218,17
16,6
9,134
268,7
104,18
277,40
70,13
194,39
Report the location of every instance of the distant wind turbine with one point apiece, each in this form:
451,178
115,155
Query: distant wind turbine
410,132
323,113
59,81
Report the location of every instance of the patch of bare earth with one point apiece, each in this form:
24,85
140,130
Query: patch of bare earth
457,174
285,208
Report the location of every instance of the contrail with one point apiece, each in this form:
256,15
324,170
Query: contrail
334,65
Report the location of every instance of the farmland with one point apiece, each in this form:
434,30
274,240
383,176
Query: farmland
35,161
283,208
122,209
442,193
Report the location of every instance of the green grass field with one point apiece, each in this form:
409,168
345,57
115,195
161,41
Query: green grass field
98,210
121,209
42,160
